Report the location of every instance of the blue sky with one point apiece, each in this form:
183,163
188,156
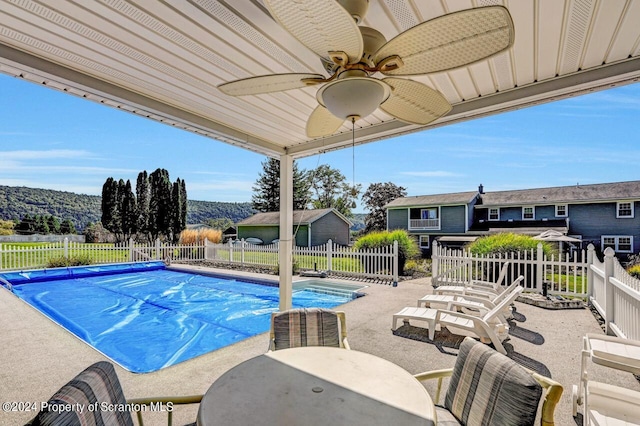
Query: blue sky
53,140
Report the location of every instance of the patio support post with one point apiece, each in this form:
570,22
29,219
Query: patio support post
285,246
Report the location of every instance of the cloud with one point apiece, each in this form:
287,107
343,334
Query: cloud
45,154
434,173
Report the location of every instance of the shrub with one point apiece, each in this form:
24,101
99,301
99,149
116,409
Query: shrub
407,246
192,236
634,271
61,262
507,243
6,227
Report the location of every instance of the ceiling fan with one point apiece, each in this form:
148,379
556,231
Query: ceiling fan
353,55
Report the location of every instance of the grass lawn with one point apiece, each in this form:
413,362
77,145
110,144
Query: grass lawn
301,261
19,255
566,283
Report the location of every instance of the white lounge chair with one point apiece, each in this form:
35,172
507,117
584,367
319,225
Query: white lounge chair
477,287
605,403
471,301
489,327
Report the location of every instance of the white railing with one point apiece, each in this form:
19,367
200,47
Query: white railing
616,296
559,275
333,258
424,223
16,257
607,285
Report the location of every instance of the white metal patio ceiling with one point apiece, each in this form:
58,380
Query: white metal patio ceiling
164,59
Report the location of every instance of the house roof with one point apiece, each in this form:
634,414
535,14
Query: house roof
165,62
433,200
303,217
563,194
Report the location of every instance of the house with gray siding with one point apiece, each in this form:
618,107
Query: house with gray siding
311,227
605,215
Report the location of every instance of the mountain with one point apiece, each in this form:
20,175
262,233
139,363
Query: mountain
16,202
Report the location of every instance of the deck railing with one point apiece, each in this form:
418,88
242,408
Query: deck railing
606,285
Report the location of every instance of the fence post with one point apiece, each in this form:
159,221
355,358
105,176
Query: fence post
1,250
206,248
329,255
66,247
131,250
591,252
158,256
434,259
230,251
395,263
609,253
242,252
539,268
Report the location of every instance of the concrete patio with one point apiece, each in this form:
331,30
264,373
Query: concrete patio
38,356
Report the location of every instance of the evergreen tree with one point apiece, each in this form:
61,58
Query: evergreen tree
53,224
67,227
266,191
41,225
178,222
375,198
128,211
110,206
143,196
160,217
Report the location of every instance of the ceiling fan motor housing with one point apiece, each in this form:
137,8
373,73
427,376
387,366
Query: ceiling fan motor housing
356,8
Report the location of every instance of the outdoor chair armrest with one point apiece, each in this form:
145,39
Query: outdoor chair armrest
432,375
174,400
479,299
465,304
487,294
483,284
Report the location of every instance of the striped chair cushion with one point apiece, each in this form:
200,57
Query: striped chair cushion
306,327
487,388
95,385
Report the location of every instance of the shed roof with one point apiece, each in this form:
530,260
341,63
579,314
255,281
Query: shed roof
433,200
303,217
563,194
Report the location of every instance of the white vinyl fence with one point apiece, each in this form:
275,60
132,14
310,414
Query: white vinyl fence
606,285
379,264
330,257
16,257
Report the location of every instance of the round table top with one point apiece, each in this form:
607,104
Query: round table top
316,385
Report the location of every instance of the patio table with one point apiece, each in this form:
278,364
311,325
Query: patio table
316,385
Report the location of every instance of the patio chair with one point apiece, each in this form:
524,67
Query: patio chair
605,403
95,386
488,327
308,327
487,388
472,302
477,287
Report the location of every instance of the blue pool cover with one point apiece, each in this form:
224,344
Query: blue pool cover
147,317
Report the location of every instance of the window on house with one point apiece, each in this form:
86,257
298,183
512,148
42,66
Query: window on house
561,210
431,213
528,213
620,244
625,210
424,241
494,214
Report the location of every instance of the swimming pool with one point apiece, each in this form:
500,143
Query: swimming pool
152,317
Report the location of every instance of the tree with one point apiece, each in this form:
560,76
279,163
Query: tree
375,198
128,211
143,195
54,224
67,227
110,207
159,203
266,196
331,190
221,223
179,212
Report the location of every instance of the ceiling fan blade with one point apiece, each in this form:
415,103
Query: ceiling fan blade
322,25
322,123
266,84
450,41
414,102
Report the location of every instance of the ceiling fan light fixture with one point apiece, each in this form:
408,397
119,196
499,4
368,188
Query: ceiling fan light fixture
353,96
